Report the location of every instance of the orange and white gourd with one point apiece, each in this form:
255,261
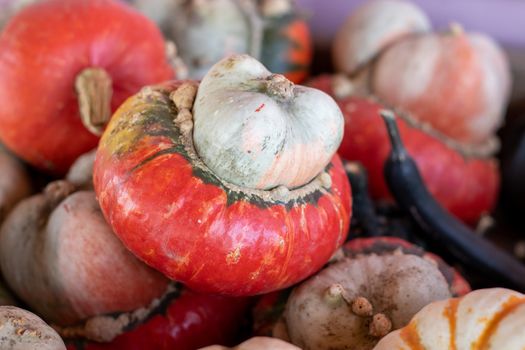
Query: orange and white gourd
485,319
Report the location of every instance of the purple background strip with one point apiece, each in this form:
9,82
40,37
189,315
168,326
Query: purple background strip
504,20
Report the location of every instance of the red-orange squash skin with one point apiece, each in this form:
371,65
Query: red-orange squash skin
467,187
42,50
184,222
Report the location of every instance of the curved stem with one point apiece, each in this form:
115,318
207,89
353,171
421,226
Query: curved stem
94,92
398,148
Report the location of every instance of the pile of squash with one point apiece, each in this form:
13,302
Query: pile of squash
168,184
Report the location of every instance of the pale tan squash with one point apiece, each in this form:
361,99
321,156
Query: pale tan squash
354,302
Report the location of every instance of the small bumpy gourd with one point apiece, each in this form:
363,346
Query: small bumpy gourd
486,319
354,302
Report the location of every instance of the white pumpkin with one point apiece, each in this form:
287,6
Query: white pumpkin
258,130
485,319
371,28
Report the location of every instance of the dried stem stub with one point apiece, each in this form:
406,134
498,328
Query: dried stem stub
94,92
277,85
